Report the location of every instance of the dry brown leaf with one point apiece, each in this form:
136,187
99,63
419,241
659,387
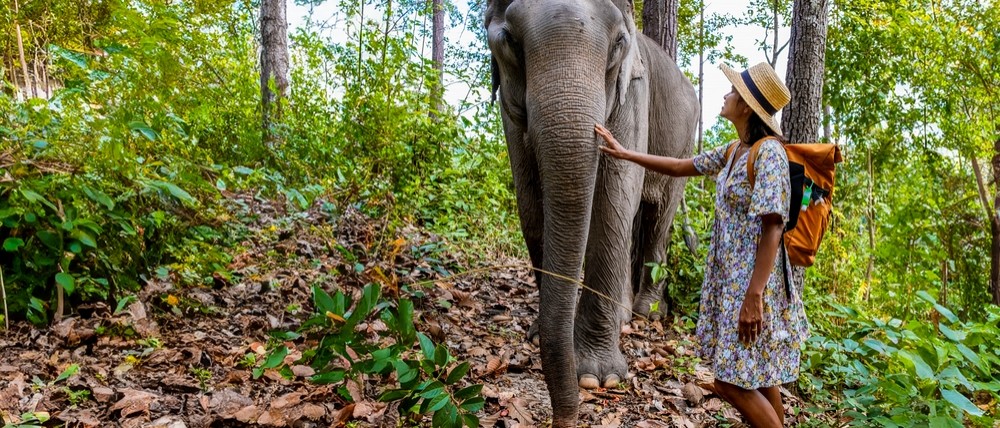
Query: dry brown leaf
133,402
247,414
227,403
518,409
287,400
343,415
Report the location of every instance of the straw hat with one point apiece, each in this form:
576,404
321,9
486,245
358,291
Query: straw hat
762,90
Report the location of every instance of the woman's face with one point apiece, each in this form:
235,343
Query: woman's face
733,107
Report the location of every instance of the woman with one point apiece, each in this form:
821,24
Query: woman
749,328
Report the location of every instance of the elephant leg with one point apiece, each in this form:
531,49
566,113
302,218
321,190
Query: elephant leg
654,237
607,263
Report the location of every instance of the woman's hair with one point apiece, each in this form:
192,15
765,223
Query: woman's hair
757,129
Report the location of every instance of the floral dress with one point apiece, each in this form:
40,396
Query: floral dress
773,359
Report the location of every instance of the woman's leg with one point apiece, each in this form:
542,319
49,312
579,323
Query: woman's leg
752,404
773,395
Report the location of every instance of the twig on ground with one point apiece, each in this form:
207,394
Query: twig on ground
3,293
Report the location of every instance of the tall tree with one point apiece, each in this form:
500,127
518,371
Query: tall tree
273,63
804,76
20,49
659,22
437,53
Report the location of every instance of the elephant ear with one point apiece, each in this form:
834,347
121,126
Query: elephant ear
632,66
495,9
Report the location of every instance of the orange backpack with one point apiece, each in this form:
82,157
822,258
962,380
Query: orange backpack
811,169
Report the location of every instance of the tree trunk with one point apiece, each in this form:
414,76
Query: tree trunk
994,220
437,55
801,118
273,63
20,52
701,77
995,227
659,22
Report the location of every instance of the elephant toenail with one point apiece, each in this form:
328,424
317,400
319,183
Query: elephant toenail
611,381
589,381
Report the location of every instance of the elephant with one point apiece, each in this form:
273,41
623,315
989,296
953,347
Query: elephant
560,67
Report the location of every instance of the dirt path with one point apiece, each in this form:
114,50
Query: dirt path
183,357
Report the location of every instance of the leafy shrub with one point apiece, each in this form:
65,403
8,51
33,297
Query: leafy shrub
428,379
899,373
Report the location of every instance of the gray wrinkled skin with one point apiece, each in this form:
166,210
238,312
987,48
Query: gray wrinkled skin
561,66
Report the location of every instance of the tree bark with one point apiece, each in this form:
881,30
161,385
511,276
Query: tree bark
437,54
659,22
801,118
273,63
701,77
20,51
995,227
992,216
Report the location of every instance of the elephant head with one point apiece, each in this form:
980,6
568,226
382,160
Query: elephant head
561,66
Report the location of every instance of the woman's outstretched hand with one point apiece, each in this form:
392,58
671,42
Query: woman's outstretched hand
612,147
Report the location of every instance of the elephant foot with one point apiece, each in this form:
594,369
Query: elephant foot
650,305
601,369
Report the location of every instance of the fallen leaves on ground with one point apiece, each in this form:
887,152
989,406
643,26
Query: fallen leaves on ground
146,366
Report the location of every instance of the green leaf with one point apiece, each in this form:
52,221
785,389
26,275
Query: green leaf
123,302
85,238
70,371
407,332
32,196
433,390
969,354
445,415
426,345
438,402
944,422
441,355
332,376
468,392
471,420
275,358
99,197
51,239
76,58
12,244
323,301
923,370
393,395
75,247
946,313
474,404
960,401
174,191
953,335
457,373
67,282
144,129
242,170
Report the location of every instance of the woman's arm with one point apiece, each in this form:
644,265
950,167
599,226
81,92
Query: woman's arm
752,312
661,164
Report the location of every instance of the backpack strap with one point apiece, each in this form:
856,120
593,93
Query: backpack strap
752,159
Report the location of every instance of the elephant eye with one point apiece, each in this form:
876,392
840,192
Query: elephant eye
507,37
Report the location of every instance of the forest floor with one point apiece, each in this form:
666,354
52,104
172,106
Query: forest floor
178,356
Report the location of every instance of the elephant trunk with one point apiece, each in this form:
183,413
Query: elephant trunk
561,128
